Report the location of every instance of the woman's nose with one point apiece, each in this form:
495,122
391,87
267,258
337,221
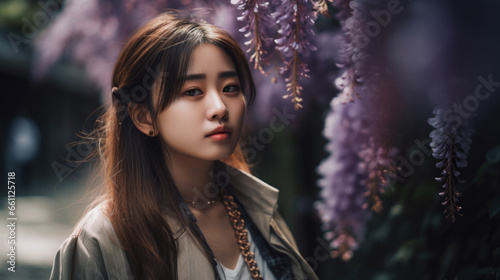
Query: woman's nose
216,107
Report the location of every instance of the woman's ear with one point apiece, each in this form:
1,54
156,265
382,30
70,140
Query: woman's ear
141,117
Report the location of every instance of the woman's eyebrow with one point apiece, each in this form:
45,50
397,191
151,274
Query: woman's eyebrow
228,74
225,74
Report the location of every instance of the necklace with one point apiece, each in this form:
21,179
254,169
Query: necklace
241,232
201,204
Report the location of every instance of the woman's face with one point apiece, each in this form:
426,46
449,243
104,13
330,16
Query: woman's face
205,121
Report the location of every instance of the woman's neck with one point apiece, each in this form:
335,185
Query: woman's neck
192,177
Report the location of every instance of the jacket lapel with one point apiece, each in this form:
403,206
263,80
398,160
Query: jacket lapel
259,199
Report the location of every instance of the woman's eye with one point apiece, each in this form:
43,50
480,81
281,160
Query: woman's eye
193,92
231,88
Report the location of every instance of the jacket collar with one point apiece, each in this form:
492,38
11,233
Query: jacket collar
259,199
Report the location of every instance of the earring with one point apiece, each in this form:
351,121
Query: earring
150,133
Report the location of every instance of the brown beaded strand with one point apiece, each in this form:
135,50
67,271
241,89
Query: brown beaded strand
241,233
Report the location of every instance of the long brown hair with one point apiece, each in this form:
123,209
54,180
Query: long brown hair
138,187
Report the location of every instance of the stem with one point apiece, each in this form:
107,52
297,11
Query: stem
258,43
294,81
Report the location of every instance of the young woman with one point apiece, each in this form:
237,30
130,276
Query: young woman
179,202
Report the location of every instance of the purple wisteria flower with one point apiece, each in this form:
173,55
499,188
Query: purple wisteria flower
451,139
296,20
341,205
354,56
362,159
379,166
256,16
360,167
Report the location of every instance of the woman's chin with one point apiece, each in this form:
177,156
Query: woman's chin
222,155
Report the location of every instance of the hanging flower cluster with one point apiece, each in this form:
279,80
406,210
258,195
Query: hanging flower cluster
363,158
256,16
341,208
378,165
359,169
295,20
353,55
451,139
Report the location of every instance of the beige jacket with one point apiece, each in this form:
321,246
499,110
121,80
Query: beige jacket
92,252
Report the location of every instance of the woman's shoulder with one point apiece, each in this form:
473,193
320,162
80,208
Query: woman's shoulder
94,223
95,233
92,251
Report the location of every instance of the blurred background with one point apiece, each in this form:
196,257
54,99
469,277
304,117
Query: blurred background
356,165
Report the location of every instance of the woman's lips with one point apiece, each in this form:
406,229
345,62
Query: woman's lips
219,136
219,133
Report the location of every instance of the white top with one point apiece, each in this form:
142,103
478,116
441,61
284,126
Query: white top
241,271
